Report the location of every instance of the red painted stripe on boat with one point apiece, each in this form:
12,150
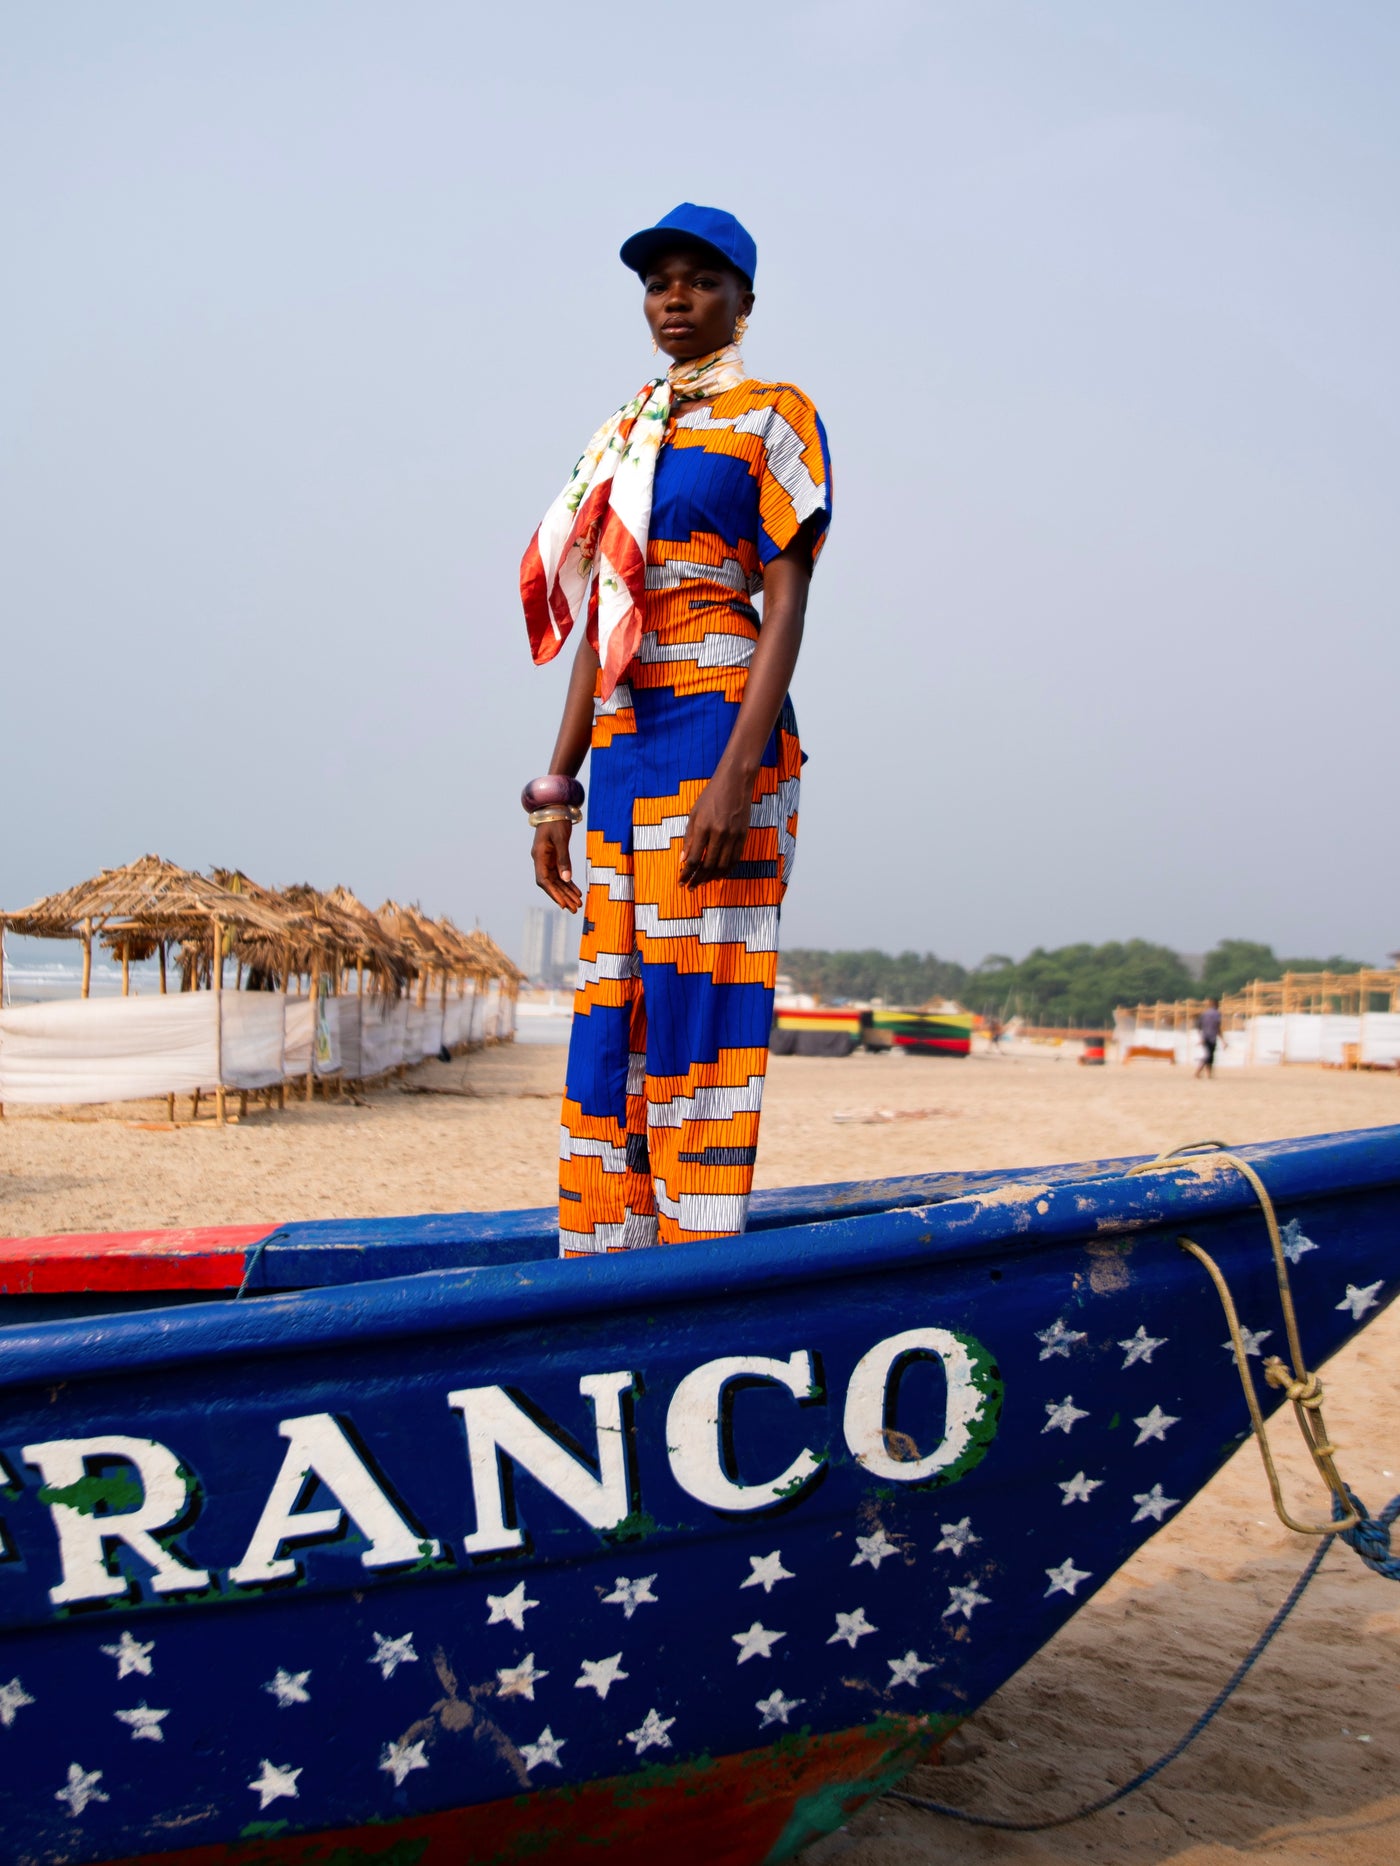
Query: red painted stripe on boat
736,1810
197,1257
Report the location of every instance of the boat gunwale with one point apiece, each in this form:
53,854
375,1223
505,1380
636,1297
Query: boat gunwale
1017,1219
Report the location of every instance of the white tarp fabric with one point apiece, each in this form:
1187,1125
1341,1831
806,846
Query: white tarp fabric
253,1037
346,1015
1298,1037
383,1022
128,1049
122,1049
327,1028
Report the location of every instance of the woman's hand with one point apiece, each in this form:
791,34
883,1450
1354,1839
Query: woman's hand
552,870
714,836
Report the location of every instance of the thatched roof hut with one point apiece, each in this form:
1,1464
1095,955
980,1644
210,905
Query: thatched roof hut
141,909
322,934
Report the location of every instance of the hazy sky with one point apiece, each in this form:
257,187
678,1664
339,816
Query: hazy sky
310,307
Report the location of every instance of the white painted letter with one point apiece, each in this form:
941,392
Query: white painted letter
73,1494
497,1427
867,1402
693,1432
318,1447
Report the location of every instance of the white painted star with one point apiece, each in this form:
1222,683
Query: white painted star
1065,1579
600,1675
518,1681
956,1536
629,1595
768,1570
390,1654
400,1759
651,1732
1360,1300
1152,1503
276,1781
1253,1339
1062,1416
544,1749
13,1698
963,1599
776,1708
1154,1425
874,1549
1141,1346
1057,1339
131,1655
143,1722
1079,1488
908,1670
1295,1245
851,1627
757,1643
288,1688
512,1606
81,1789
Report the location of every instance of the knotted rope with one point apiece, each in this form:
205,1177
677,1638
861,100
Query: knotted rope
1369,1536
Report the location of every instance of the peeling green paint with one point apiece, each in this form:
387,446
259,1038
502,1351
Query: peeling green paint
827,1807
398,1853
635,1527
982,1429
263,1830
110,1495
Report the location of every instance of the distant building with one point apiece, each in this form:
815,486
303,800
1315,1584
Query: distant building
549,951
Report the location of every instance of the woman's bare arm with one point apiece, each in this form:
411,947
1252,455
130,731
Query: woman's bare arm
553,871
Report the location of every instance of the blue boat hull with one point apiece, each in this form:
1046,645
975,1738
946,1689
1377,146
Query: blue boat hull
698,1545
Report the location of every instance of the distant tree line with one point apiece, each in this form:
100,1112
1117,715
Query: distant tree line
1078,984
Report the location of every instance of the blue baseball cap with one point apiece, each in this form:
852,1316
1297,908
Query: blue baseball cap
727,238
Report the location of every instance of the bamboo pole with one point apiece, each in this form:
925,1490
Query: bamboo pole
126,968
218,983
87,957
282,1061
314,980
162,968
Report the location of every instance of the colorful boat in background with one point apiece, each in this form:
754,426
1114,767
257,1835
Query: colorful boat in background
822,1030
925,1033
432,1548
837,1030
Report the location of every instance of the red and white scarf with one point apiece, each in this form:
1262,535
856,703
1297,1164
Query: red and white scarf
590,551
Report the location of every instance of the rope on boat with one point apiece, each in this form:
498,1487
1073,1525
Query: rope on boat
1140,1780
1369,1536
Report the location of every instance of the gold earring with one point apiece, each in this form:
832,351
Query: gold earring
741,324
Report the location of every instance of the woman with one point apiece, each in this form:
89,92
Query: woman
705,489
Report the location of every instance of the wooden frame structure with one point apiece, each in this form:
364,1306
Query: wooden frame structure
151,906
1316,994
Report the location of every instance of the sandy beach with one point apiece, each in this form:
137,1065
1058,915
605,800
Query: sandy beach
1303,1766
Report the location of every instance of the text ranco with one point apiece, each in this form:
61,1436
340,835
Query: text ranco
115,1492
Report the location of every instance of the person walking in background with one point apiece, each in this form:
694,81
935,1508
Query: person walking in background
1208,1023
703,491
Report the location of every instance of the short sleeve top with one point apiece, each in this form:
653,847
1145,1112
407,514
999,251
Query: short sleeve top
735,482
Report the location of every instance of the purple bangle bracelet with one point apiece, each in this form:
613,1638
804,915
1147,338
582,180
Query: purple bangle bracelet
556,790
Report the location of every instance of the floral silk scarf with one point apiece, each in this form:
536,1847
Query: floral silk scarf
589,553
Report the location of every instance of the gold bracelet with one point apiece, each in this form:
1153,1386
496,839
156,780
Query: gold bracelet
556,813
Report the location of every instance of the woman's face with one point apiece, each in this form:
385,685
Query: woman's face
691,302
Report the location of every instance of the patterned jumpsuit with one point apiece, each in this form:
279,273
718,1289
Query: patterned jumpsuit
674,1005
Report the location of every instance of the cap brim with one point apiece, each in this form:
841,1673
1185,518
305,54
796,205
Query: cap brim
639,252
